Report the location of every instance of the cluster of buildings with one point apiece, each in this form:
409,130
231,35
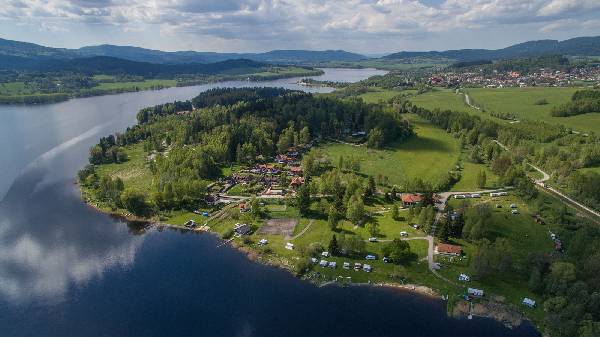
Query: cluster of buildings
499,79
264,179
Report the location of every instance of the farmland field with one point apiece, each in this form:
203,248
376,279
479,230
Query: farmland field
521,103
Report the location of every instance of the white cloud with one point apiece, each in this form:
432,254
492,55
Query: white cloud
309,22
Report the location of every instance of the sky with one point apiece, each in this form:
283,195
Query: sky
364,26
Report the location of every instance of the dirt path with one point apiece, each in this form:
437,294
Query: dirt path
303,231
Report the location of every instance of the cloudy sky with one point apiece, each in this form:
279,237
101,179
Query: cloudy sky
365,26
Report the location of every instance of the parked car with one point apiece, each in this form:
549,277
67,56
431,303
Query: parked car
371,257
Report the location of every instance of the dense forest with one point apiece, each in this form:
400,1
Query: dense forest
230,126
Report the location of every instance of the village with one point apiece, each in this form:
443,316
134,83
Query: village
543,77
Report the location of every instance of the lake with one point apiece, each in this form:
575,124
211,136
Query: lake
68,270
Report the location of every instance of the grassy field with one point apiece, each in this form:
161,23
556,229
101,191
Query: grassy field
142,85
443,99
429,155
521,103
133,172
14,88
468,181
377,95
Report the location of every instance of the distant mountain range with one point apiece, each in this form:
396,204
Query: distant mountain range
30,52
16,55
580,46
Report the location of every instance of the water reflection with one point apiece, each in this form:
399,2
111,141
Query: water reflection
45,246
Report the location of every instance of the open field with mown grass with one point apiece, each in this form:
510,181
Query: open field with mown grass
468,180
522,103
443,99
429,155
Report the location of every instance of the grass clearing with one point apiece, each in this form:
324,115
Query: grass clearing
468,180
429,155
134,172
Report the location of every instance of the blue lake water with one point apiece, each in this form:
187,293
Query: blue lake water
67,270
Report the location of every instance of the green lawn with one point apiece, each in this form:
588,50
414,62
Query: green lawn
429,155
521,102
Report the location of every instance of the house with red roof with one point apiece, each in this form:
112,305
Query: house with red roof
410,199
447,249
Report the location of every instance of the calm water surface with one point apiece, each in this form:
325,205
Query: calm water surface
67,270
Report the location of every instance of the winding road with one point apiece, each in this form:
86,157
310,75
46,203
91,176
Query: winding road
566,199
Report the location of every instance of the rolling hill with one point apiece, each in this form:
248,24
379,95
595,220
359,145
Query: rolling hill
38,52
580,46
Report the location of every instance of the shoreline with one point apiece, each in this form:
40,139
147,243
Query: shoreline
51,98
255,256
501,312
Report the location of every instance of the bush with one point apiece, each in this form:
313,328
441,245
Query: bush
541,101
302,266
228,234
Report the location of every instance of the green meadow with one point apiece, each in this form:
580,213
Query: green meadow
429,155
522,103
